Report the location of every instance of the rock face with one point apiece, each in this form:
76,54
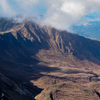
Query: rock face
18,45
33,58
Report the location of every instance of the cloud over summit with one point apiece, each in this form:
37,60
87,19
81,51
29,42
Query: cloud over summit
61,14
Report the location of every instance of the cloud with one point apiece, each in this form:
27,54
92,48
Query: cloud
27,2
61,14
5,9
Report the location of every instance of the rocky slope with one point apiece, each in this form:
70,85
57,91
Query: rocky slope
32,56
9,90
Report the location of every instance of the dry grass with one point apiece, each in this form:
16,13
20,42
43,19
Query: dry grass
7,32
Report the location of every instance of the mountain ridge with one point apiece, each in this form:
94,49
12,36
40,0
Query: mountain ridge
44,56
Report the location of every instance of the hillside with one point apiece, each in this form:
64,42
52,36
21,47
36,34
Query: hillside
46,60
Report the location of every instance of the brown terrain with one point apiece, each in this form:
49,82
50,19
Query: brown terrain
42,63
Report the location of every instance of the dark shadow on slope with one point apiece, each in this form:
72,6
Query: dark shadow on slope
10,89
87,49
81,47
51,96
11,49
97,93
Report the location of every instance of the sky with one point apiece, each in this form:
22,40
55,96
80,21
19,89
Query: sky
77,16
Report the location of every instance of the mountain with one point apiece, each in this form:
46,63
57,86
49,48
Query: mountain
48,63
6,24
